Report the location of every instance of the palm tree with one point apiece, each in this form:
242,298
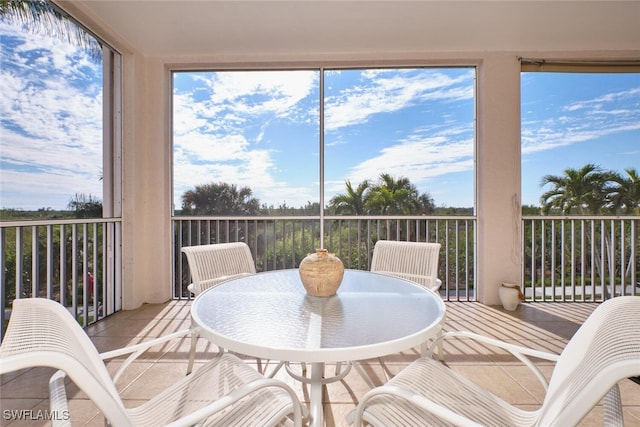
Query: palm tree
41,16
626,193
589,190
626,197
427,205
220,199
585,190
389,196
392,196
353,201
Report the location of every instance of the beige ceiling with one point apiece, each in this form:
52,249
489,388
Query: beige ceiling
240,27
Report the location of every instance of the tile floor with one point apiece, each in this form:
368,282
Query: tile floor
539,325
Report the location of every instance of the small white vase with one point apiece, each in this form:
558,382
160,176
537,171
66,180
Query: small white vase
510,296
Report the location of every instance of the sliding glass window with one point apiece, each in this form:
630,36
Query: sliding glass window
263,142
580,133
60,139
245,142
403,139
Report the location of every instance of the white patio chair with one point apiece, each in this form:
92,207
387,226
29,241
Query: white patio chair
604,351
211,265
415,261
225,391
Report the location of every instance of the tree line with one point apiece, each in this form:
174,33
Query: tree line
386,196
589,190
79,206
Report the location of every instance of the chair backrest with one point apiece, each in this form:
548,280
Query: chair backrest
41,332
416,261
604,351
213,264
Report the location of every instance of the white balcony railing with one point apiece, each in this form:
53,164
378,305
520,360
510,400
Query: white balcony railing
564,258
75,262
579,258
584,258
283,241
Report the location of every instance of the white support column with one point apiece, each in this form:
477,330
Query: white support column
147,186
498,186
157,189
132,105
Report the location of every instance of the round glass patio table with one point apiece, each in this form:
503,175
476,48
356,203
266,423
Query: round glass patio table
270,316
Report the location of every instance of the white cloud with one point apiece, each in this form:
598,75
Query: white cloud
584,121
388,91
553,134
603,100
258,92
418,159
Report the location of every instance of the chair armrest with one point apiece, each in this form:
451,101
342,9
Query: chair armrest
137,350
415,399
195,417
520,352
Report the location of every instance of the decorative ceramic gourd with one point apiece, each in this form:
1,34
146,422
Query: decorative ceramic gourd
321,273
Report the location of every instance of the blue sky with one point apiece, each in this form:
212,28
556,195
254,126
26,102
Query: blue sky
261,129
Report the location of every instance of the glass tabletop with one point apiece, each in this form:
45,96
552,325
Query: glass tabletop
270,315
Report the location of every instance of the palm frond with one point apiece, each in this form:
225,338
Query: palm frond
42,17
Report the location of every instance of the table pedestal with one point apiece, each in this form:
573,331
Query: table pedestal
316,410
316,382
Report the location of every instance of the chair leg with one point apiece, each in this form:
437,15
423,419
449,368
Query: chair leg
363,374
338,368
192,352
276,369
612,403
440,347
